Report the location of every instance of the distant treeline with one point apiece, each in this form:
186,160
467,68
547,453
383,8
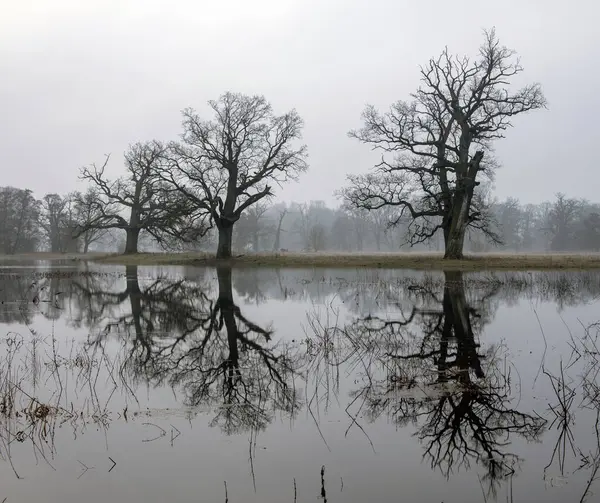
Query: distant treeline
28,224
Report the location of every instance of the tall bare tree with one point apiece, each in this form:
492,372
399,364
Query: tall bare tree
225,165
436,143
141,200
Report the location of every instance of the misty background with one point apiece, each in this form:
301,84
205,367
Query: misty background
84,79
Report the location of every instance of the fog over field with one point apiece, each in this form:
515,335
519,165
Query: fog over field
83,79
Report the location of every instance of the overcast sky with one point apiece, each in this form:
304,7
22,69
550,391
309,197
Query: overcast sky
80,79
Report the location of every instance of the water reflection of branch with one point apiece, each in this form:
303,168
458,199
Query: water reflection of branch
462,407
204,346
563,418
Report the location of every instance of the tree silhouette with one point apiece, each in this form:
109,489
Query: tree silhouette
176,333
424,367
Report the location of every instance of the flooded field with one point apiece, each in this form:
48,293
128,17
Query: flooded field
145,384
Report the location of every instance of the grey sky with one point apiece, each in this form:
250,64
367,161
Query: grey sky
79,79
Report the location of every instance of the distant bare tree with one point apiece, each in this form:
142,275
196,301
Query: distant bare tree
141,201
307,224
317,238
561,220
438,143
58,222
511,222
302,223
252,227
360,224
279,230
87,210
225,165
591,231
341,232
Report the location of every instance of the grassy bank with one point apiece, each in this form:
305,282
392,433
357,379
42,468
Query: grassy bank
384,260
491,261
73,257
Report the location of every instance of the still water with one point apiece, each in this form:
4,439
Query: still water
179,384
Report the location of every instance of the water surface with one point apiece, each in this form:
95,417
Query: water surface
146,384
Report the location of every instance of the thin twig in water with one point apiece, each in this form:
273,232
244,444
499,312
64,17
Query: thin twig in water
85,469
162,432
482,490
251,458
545,346
226,495
563,417
323,492
353,418
593,477
173,437
317,425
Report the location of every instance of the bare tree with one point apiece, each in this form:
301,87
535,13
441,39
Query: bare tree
561,220
317,237
225,165
57,222
438,143
278,230
253,226
360,224
308,224
87,210
511,222
141,201
183,334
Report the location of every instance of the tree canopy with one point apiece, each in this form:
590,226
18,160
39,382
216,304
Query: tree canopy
225,165
140,200
437,145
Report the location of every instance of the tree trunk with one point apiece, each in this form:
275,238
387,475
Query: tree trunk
466,357
454,236
131,245
135,299
456,242
225,241
277,244
228,312
225,284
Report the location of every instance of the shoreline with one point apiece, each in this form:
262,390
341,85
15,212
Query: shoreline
407,260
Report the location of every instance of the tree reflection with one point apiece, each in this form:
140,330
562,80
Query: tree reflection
424,367
16,299
145,314
177,333
46,293
237,366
